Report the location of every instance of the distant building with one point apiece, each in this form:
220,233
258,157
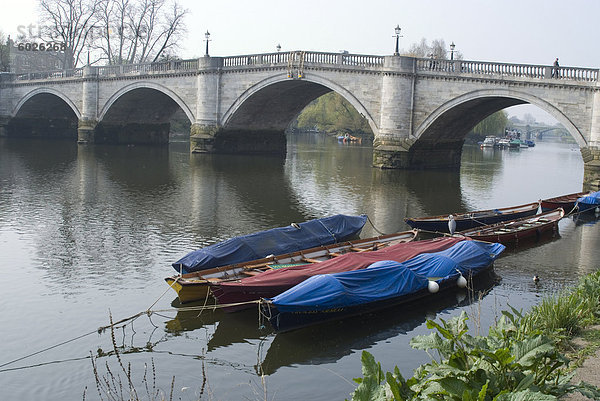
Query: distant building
27,60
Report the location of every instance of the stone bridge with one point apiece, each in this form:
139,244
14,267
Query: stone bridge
420,110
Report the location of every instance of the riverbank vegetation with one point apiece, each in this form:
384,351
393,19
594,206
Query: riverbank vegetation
334,115
521,358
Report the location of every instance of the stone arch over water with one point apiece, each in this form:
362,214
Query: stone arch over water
441,135
44,113
139,113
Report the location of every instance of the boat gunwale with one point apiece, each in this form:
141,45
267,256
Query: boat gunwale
489,230
471,215
446,285
319,251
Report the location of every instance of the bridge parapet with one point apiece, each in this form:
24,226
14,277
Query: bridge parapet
508,70
299,56
481,68
77,73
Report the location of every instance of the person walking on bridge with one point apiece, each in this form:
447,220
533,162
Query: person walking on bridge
555,69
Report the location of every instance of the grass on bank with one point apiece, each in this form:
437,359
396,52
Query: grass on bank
520,359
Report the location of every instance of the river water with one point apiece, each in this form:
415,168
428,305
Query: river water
90,232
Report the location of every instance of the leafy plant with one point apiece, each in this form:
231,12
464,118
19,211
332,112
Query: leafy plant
505,365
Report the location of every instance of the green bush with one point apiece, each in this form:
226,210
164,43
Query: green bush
518,360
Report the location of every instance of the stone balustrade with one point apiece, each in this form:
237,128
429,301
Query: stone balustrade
507,70
334,59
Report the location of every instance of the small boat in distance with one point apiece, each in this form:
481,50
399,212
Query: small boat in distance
490,141
195,286
275,241
383,284
566,202
464,221
517,230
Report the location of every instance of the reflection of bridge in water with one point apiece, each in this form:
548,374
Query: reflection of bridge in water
419,112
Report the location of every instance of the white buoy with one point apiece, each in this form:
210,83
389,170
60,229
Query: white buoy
433,287
461,282
451,224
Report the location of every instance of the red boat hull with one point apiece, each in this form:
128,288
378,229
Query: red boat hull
239,294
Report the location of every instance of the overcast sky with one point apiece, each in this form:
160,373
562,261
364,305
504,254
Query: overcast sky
513,31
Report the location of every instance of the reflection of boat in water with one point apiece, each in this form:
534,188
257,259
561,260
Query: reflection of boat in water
228,328
338,339
585,218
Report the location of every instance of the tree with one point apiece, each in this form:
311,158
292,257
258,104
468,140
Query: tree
5,46
138,31
492,125
333,113
71,22
438,49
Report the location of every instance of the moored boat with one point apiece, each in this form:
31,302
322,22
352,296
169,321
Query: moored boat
240,293
517,230
490,141
195,286
275,241
468,220
566,202
590,201
384,284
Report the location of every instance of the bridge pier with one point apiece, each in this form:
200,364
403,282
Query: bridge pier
408,154
4,125
86,129
591,168
202,138
210,139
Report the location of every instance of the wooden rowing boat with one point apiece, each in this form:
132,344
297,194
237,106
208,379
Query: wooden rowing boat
327,297
566,202
517,230
465,221
195,286
239,294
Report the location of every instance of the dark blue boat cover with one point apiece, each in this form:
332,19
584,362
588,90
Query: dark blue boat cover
275,241
387,279
590,201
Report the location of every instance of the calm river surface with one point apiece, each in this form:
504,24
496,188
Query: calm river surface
90,231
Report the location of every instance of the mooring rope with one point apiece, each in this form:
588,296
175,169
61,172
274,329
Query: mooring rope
147,312
373,225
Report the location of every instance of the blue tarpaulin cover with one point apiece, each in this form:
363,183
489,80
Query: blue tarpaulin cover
275,241
589,201
387,279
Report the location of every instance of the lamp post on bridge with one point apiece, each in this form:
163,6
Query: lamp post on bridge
397,35
207,36
452,46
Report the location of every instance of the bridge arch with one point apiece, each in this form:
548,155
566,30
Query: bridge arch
146,85
482,103
314,80
43,91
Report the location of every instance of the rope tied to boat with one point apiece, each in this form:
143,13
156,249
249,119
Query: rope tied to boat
375,228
